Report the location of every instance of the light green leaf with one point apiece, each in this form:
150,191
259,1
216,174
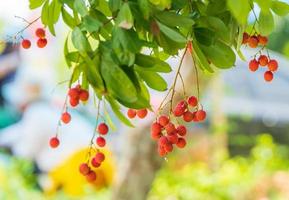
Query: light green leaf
152,64
80,7
91,24
172,34
266,22
67,18
153,80
280,8
79,40
124,17
35,3
174,20
240,9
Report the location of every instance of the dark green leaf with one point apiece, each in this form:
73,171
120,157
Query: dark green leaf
174,20
172,33
152,64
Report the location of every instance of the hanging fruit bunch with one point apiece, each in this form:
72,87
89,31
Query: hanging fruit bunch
106,52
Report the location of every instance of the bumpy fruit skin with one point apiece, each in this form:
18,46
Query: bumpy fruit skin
193,101
42,42
131,113
74,93
100,141
170,128
201,115
168,147
65,118
26,44
91,176
253,41
268,76
263,40
173,138
142,113
99,157
155,135
181,143
253,65
40,32
245,38
102,129
54,142
273,65
84,169
74,102
156,128
94,163
263,60
188,116
163,120
162,151
182,130
83,95
163,141
180,108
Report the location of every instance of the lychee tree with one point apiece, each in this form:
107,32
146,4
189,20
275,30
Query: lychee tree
119,48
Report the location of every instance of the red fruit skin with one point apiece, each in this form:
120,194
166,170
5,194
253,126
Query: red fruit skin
253,65
181,143
268,76
180,108
168,147
201,115
263,40
182,130
65,118
26,44
156,136
99,157
142,113
74,102
245,38
91,176
83,95
163,120
263,60
273,65
156,128
188,116
54,142
42,42
84,169
131,113
100,141
170,128
253,41
193,101
40,32
195,117
173,138
163,141
73,93
102,129
162,152
94,163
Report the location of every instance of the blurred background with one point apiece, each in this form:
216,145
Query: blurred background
241,152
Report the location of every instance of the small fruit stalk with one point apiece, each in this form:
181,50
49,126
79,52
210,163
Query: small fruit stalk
261,58
167,129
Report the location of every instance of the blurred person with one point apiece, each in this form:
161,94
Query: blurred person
29,139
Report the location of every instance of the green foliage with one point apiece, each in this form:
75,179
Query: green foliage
110,37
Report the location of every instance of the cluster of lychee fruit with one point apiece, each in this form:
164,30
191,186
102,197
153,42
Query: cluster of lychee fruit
253,41
168,134
132,113
77,94
41,42
264,61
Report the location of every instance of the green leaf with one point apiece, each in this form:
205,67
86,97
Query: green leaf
264,5
91,24
116,109
174,20
152,63
117,82
220,28
172,33
127,38
45,13
280,8
205,36
54,11
144,7
114,5
80,7
35,3
79,40
221,55
153,80
240,9
75,75
201,58
67,18
266,22
124,18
